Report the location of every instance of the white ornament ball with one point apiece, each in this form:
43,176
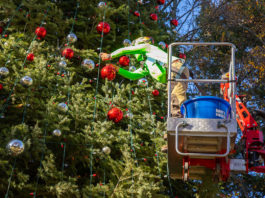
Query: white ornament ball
15,147
71,38
4,71
106,150
57,132
143,82
127,43
26,81
62,107
88,64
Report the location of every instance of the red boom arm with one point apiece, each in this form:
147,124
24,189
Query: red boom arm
252,137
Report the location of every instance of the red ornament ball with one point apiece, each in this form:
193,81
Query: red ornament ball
155,92
108,72
174,22
1,30
153,16
124,61
68,53
40,32
161,2
1,87
103,26
30,57
115,114
181,55
136,13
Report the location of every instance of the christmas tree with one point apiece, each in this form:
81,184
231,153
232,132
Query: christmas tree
65,131
71,126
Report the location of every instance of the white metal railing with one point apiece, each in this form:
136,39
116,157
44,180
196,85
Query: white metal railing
232,87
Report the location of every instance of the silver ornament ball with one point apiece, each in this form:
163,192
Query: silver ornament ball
88,64
26,81
62,64
127,43
71,38
57,132
4,71
143,82
129,115
106,150
132,68
15,147
162,45
62,107
102,4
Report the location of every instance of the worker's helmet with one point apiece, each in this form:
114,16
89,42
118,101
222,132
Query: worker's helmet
143,40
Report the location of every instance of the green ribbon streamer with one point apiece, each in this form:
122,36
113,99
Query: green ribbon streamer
42,156
63,162
141,30
25,109
9,22
157,154
10,178
95,105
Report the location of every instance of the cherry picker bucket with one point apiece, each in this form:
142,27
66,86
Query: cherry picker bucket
200,143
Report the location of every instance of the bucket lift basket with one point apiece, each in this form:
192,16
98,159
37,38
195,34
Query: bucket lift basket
196,141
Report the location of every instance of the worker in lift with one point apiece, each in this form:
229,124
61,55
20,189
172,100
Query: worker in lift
154,63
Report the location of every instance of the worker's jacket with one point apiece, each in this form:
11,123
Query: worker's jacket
154,58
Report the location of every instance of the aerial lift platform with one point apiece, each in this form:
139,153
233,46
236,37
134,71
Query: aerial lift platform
203,141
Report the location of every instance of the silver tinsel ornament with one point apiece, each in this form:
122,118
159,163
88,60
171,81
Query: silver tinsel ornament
143,82
127,43
162,45
4,71
106,150
71,38
15,147
62,64
62,107
132,68
57,132
26,81
102,4
88,64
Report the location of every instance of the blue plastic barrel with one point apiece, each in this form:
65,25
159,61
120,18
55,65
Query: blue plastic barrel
206,107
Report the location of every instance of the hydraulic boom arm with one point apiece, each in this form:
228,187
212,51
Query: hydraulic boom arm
252,138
